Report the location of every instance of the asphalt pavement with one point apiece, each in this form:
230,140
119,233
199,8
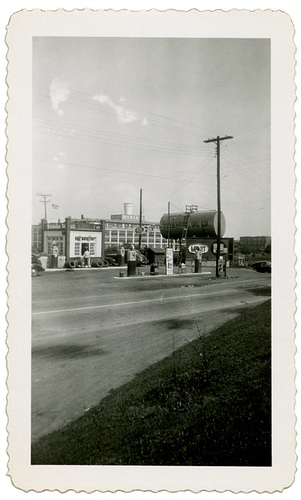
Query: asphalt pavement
93,330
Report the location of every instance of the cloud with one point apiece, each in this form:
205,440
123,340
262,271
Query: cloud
124,192
124,115
103,99
59,92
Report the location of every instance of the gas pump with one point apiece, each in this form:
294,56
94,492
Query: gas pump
221,267
54,256
131,261
198,261
121,256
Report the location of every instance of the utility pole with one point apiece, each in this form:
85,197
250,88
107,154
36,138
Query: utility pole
217,140
168,228
45,200
140,219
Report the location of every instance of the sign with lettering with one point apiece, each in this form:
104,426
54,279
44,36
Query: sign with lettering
198,247
131,255
223,249
169,260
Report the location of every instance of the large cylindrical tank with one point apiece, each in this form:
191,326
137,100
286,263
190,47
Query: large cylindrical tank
199,224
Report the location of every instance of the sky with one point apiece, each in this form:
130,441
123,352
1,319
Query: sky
112,116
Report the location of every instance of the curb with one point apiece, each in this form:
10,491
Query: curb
161,276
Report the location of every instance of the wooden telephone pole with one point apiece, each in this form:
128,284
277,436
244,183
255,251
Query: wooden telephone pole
45,199
140,219
217,140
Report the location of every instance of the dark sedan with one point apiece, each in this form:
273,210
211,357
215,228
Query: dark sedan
264,266
36,266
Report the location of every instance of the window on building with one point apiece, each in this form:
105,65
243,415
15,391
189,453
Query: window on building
151,238
130,236
80,241
114,236
77,249
77,246
92,248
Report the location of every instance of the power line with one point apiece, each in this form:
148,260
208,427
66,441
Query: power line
135,108
204,164
94,106
99,168
253,133
248,170
93,131
124,142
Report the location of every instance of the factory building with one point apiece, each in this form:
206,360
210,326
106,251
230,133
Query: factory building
123,228
255,242
186,232
73,236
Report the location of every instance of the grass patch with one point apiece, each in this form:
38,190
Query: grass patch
209,405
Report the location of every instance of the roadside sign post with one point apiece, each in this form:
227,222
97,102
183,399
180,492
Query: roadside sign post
222,261
168,261
221,267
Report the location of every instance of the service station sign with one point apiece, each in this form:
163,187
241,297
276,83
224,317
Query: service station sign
198,247
223,248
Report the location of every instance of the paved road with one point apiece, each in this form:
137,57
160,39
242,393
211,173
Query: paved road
92,332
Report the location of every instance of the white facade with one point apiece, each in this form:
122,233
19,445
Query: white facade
89,240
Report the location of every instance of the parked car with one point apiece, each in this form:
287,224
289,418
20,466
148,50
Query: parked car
36,266
113,258
141,258
263,266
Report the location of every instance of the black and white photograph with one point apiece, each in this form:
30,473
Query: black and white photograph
151,184
153,245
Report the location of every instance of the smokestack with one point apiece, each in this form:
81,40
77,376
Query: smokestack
128,208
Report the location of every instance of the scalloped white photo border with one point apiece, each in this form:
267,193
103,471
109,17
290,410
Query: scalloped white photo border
278,27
